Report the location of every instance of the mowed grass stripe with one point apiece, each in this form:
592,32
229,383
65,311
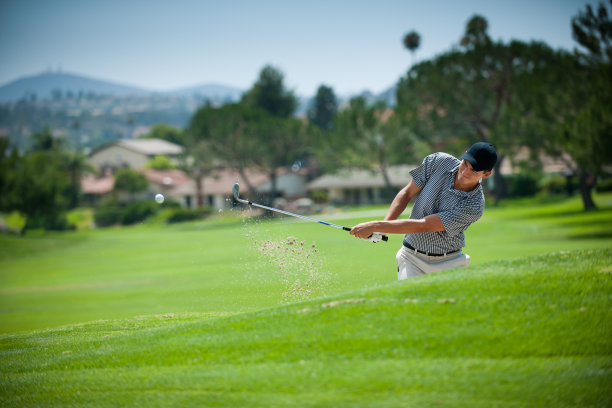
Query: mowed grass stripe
529,332
211,267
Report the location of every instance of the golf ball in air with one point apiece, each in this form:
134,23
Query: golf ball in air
159,198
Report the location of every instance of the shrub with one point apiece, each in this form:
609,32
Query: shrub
604,185
556,184
183,214
138,211
523,185
108,214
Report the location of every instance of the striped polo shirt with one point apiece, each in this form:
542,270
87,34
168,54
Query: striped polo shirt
457,209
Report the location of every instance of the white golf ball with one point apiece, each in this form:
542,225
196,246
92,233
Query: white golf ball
159,198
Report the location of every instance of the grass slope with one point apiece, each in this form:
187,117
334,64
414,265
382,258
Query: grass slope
57,279
530,332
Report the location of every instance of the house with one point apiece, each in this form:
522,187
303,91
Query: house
216,188
562,165
95,188
132,153
359,187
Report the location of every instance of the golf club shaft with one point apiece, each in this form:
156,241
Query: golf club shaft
375,237
293,215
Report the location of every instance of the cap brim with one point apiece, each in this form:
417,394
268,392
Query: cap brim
472,161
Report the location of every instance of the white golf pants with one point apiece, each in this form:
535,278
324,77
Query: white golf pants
411,263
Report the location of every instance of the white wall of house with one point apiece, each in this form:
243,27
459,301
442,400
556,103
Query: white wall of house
117,156
289,184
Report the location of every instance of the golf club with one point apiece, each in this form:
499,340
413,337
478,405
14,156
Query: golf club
375,237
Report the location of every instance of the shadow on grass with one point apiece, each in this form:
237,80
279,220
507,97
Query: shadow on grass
601,234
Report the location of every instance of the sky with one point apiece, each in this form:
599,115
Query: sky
348,45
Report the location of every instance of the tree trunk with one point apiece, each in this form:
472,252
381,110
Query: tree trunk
243,175
586,183
199,191
273,188
389,191
500,188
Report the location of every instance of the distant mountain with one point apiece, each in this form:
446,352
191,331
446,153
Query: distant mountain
54,85
211,91
57,84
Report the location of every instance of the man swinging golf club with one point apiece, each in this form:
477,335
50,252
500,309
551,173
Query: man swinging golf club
449,198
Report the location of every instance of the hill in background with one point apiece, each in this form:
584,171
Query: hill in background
60,85
92,112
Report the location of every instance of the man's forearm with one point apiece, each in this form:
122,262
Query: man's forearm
430,223
401,200
409,226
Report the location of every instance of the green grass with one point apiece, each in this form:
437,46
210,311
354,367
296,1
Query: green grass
55,279
531,332
191,315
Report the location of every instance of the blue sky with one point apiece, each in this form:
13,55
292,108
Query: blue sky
348,45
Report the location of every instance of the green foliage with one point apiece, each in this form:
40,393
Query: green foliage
412,40
605,185
246,137
130,181
324,108
369,137
524,185
593,31
160,162
167,133
186,214
138,211
554,184
112,213
226,132
108,214
269,93
42,184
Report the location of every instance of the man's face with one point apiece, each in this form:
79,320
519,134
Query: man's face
467,174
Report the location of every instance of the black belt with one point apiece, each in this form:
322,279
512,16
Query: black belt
427,253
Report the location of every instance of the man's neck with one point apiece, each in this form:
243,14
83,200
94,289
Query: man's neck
465,187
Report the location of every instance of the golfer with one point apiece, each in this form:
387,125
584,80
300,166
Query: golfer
448,199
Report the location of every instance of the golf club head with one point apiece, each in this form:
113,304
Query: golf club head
236,191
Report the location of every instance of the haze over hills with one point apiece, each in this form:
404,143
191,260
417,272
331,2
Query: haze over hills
58,85
55,85
92,112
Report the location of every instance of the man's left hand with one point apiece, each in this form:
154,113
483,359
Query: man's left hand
363,230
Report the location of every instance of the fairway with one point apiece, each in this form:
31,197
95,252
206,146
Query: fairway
213,266
194,315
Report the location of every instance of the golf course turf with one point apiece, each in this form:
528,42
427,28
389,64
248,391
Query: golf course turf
523,326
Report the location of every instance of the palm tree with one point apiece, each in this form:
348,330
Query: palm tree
412,41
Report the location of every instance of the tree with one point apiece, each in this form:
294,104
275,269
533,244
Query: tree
160,162
165,132
282,141
474,93
587,133
324,108
412,41
571,102
368,137
76,165
594,33
228,134
269,94
130,181
37,184
476,33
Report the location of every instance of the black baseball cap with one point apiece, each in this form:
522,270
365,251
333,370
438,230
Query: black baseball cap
481,155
